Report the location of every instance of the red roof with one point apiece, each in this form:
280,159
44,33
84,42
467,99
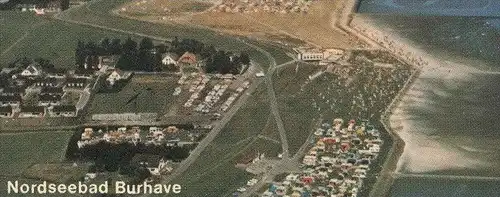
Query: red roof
188,58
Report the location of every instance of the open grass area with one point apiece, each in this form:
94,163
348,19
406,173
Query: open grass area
13,25
295,108
21,150
155,96
53,40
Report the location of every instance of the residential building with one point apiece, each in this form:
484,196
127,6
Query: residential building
115,75
46,100
13,90
6,112
83,73
63,111
52,91
48,82
32,112
10,100
75,83
170,59
31,71
189,58
57,73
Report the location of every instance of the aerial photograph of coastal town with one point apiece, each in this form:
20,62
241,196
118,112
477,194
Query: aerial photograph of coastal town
250,98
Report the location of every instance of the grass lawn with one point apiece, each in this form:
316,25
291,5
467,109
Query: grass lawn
157,100
13,25
56,41
295,108
20,151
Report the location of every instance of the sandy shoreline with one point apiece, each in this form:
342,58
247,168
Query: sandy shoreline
395,120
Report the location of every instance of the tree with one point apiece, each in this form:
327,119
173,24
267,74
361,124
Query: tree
244,58
64,4
146,44
128,60
161,48
208,51
80,54
115,48
130,46
104,46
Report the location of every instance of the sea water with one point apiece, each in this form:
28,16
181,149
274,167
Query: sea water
452,124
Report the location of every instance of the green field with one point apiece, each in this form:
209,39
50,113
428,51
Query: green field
51,39
14,25
295,105
21,150
149,86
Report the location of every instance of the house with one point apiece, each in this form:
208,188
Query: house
115,76
189,59
57,73
76,83
52,91
10,100
83,74
107,61
48,82
6,112
13,90
46,100
170,59
32,112
63,111
31,71
154,163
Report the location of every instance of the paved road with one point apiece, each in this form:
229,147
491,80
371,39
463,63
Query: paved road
272,99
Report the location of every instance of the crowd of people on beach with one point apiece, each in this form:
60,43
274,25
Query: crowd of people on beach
388,43
357,91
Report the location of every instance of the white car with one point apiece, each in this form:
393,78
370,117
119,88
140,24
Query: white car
242,189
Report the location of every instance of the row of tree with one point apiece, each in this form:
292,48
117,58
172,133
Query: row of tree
146,56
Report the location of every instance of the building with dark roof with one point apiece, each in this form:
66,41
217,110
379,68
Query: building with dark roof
57,73
83,73
63,111
10,100
46,100
32,112
76,83
52,91
6,112
13,90
48,82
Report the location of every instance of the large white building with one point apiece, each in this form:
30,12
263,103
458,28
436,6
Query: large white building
315,54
